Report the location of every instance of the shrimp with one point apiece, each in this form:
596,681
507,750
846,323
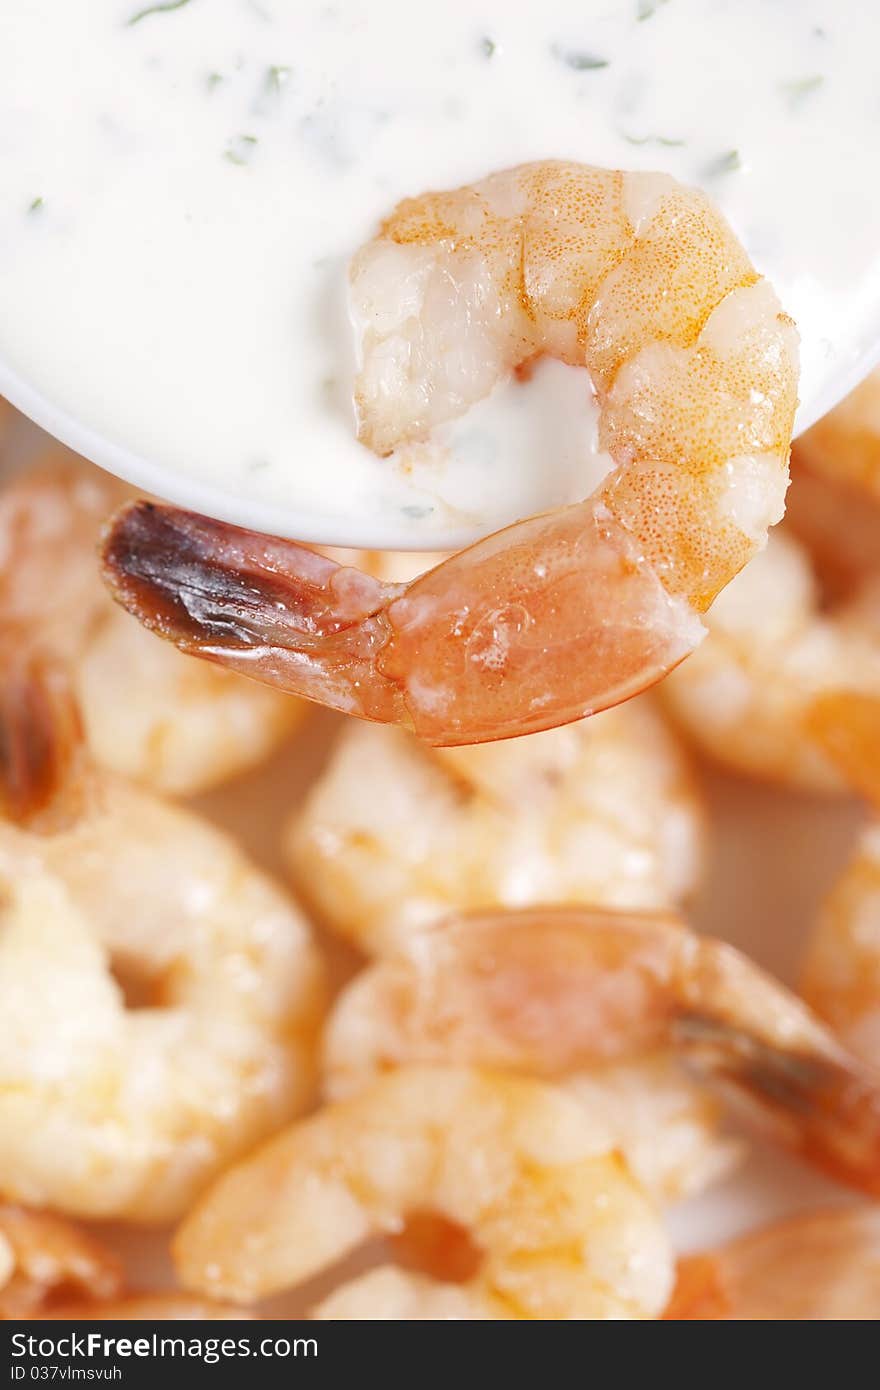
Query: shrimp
394,835
51,1269
841,973
149,713
549,991
844,445
553,1225
43,1258
630,275
783,689
159,996
819,1267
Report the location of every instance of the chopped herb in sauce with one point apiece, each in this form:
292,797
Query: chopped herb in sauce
37,205
578,58
214,79
276,78
488,47
646,8
240,150
726,163
415,511
157,9
666,141
798,91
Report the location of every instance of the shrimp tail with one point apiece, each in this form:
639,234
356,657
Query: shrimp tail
42,751
538,625
824,1102
267,608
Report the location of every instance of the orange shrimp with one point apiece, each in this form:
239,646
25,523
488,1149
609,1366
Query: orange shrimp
546,991
630,275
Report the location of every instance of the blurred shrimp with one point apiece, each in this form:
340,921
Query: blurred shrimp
844,446
394,835
159,996
783,688
819,1267
555,1227
51,1269
44,1258
630,275
149,712
841,974
550,991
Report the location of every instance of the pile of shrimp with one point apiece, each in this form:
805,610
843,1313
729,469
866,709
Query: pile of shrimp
530,1056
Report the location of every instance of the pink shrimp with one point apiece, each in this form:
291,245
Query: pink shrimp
630,275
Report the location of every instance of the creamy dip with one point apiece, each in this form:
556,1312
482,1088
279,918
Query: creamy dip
183,184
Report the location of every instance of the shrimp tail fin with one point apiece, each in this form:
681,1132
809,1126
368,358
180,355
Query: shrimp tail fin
43,759
270,609
699,1294
823,1102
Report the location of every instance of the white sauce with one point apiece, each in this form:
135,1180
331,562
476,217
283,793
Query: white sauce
180,197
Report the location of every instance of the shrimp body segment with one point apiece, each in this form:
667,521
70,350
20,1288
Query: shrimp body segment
159,996
633,277
559,1229
841,974
395,835
547,992
820,1267
43,1256
149,713
782,688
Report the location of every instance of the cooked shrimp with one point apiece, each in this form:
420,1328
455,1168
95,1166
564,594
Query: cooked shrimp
844,445
782,688
149,713
550,991
820,1267
43,1258
630,275
557,1228
151,1307
841,977
159,996
395,835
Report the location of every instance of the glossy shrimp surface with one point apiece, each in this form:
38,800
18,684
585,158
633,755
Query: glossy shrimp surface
693,363
819,1267
149,712
394,835
557,1228
786,687
547,992
159,996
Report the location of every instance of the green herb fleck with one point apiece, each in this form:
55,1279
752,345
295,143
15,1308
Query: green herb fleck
666,141
37,205
646,8
157,9
488,47
798,91
726,163
416,511
276,78
240,150
579,59
214,79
